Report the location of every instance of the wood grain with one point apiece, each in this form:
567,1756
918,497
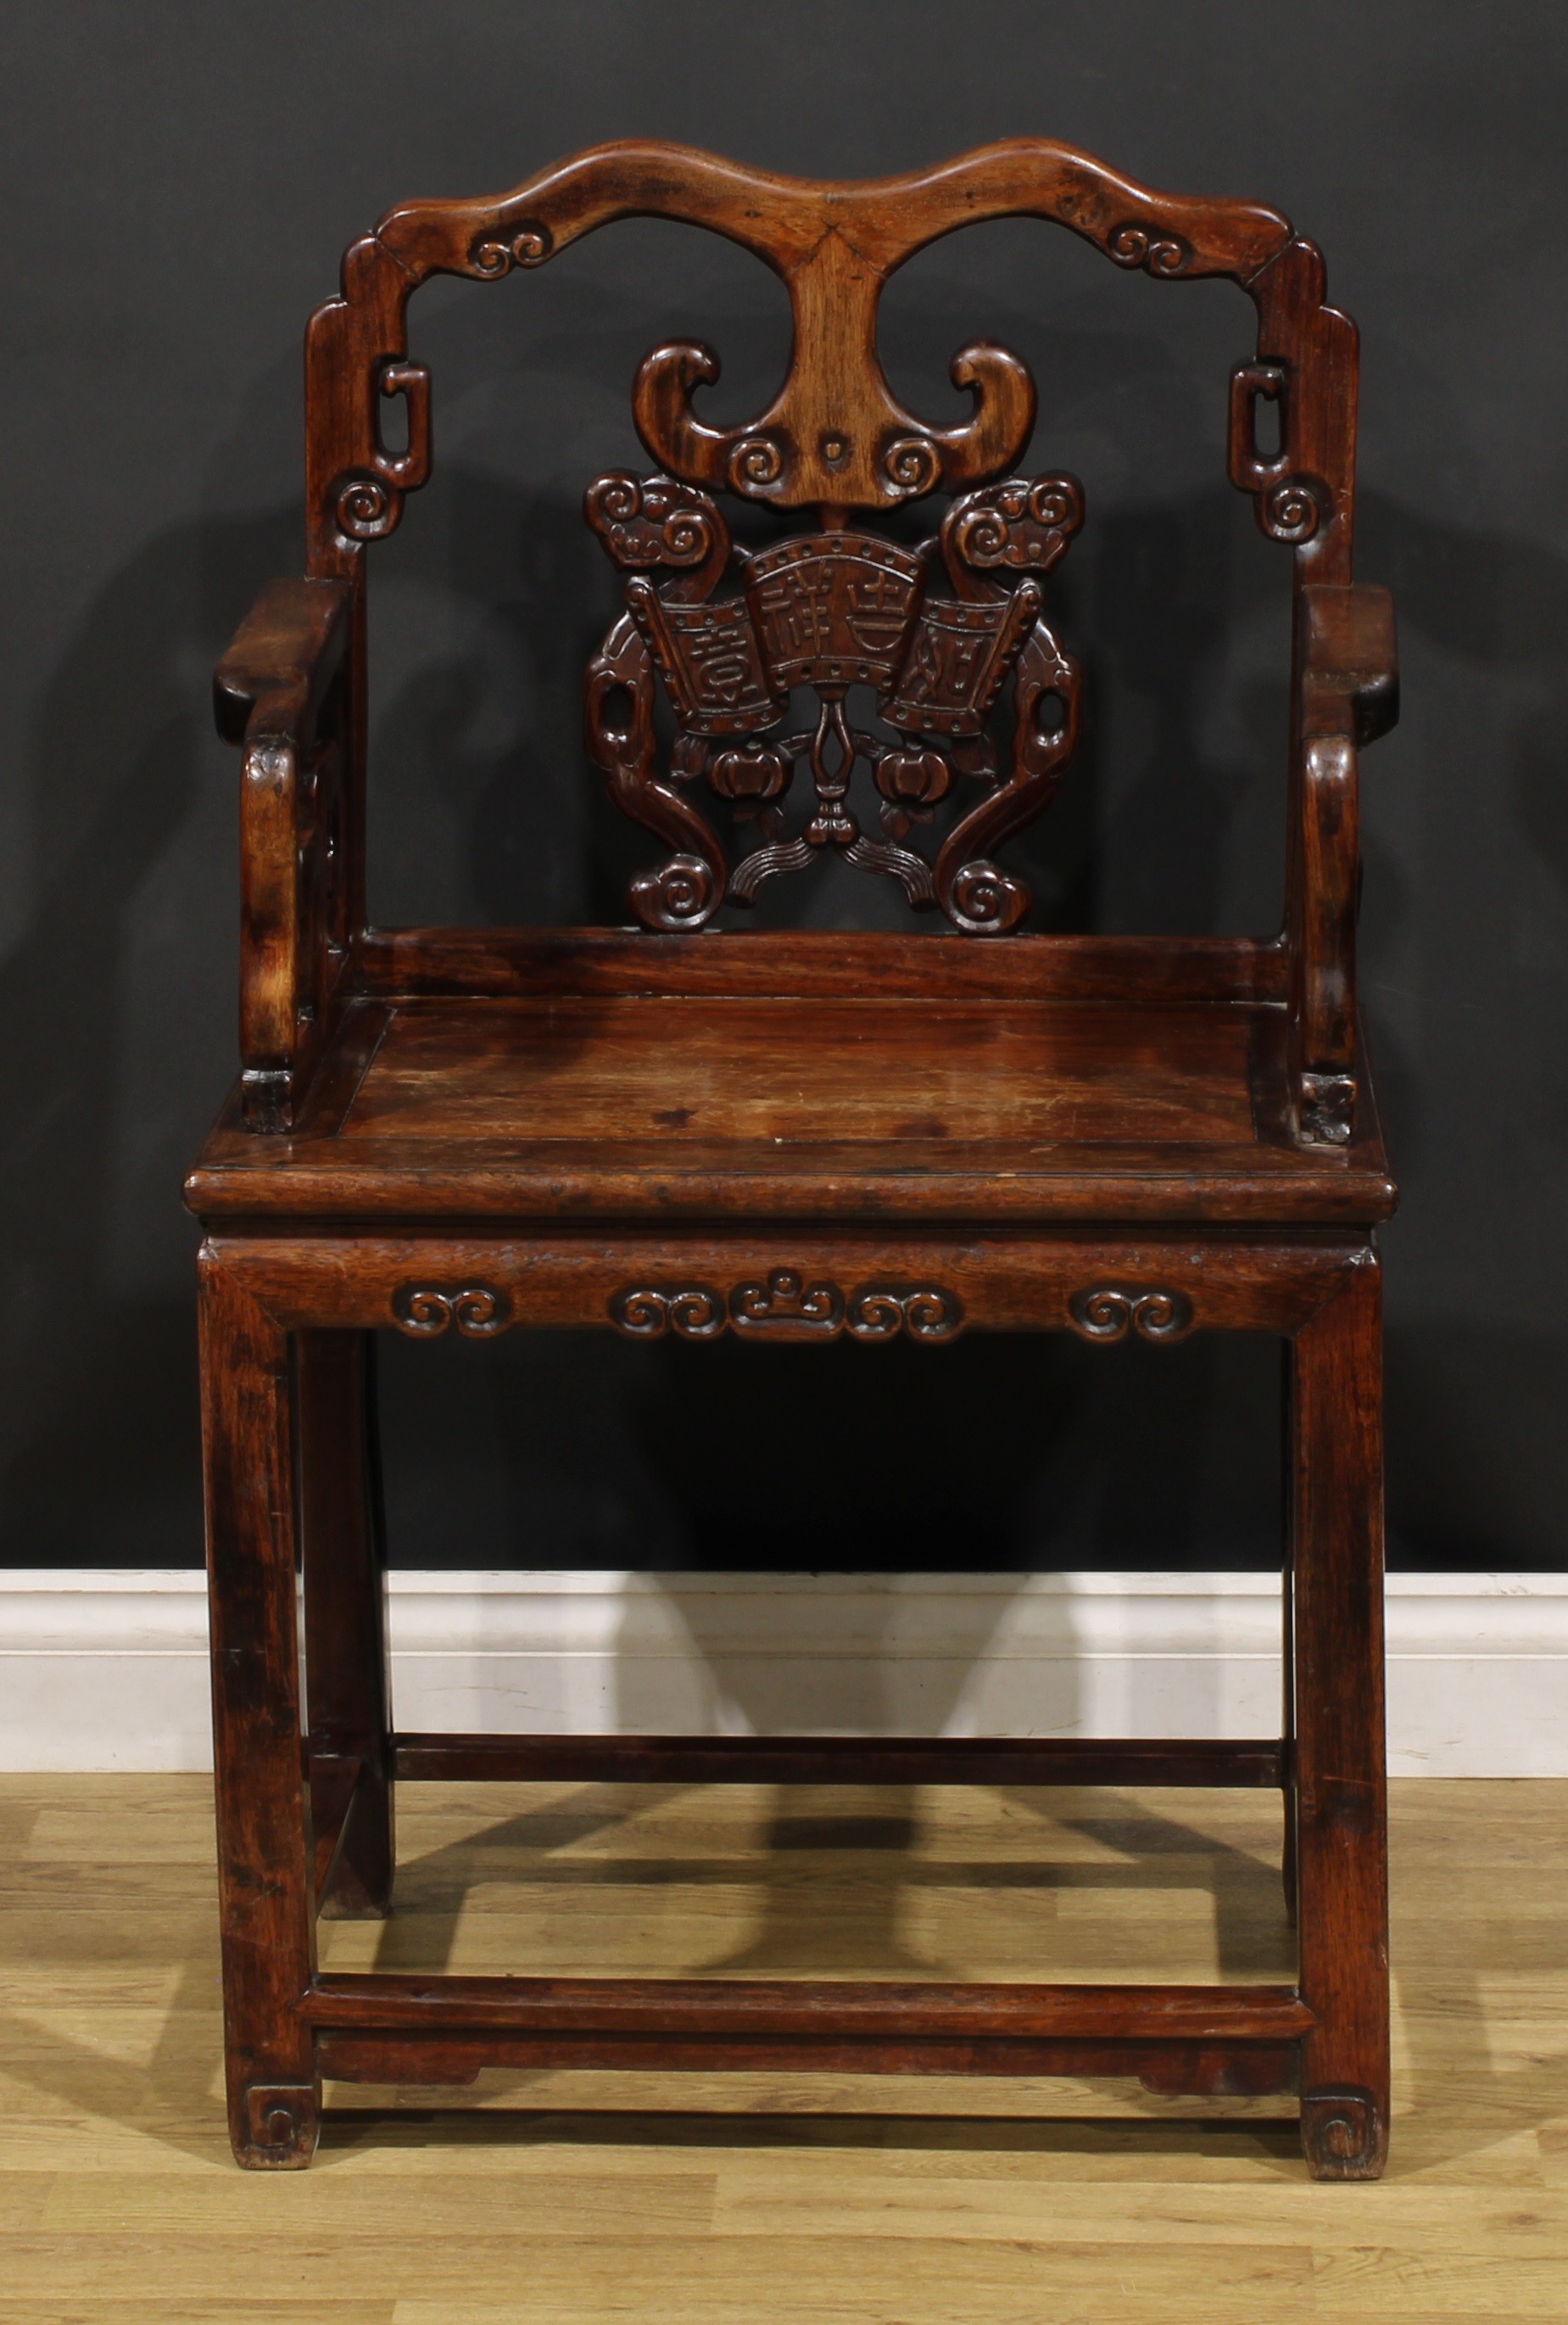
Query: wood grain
617,1105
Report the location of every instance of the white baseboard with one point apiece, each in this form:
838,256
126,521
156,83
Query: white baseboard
107,1670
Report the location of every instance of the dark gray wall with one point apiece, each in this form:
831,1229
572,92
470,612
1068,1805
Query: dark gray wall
181,181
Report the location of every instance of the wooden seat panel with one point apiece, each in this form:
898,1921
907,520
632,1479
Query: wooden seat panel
804,1104
783,1071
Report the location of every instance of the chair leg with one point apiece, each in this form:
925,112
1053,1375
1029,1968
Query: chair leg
1287,1866
263,1813
1337,1494
346,1684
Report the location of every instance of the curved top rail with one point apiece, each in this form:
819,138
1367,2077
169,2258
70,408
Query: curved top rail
784,219
834,436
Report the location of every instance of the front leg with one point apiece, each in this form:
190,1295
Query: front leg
1336,1460
346,1681
264,1812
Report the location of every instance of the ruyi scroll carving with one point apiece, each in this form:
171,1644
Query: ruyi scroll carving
936,632
280,2121
1341,2133
786,1305
1108,1313
425,1311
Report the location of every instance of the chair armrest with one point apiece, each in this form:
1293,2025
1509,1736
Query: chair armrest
268,694
284,657
1349,662
1347,695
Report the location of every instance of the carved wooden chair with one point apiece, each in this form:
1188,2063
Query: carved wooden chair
672,1127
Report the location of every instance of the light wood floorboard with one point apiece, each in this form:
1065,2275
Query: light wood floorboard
567,2198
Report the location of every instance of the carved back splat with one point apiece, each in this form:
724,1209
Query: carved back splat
831,610
937,632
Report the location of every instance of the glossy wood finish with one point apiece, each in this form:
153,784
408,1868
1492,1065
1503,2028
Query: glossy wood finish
1338,1801
266,1872
1189,2041
280,691
687,1130
1323,1293
349,1677
809,1108
565,964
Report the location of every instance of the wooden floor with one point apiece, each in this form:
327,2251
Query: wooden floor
927,2202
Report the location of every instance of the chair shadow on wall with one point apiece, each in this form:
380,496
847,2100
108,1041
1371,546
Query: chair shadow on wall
122,977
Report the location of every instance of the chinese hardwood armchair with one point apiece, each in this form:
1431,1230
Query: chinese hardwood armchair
676,1127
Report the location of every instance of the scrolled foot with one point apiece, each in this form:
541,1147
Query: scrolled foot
1344,2134
278,2126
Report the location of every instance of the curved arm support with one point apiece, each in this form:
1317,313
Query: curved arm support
1347,695
275,694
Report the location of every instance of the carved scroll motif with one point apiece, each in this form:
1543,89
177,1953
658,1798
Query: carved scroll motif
835,433
925,1315
695,1313
786,1305
650,523
1341,2133
1109,1314
830,610
529,244
1158,251
1326,1104
424,1311
368,504
1023,525
281,2122
1290,506
977,896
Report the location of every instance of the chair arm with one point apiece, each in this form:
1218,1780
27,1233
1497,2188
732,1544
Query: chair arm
283,658
268,694
1347,695
1349,662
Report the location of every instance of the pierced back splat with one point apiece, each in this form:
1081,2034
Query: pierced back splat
938,632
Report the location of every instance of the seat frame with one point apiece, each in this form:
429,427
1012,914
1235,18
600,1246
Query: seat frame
307,1256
